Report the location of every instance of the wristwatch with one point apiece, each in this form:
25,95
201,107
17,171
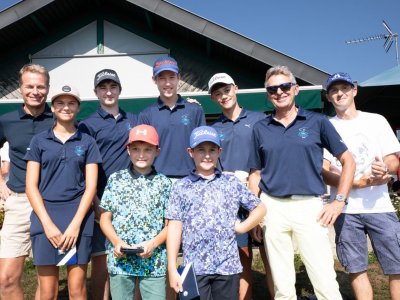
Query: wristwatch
341,198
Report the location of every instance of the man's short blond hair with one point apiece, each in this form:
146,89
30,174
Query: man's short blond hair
279,70
34,68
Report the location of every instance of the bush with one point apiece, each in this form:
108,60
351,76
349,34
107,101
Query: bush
396,204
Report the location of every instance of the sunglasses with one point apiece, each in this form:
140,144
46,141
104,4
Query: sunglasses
285,87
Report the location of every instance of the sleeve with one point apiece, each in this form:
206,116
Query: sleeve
4,152
167,194
82,126
255,160
388,142
93,155
331,140
2,137
247,199
106,201
201,118
174,210
33,152
144,118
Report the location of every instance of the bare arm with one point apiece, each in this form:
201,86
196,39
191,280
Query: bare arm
254,180
254,218
158,240
70,235
109,231
174,234
331,211
36,200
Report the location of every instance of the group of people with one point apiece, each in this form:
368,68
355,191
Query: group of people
163,182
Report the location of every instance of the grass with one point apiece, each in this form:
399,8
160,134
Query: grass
303,285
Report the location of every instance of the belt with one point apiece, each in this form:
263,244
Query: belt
18,194
298,197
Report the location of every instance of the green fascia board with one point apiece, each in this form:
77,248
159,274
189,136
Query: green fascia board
252,99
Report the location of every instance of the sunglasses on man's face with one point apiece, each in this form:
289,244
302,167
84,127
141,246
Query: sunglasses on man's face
285,87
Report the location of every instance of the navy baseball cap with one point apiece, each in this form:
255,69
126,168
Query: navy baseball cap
165,63
106,74
339,76
204,134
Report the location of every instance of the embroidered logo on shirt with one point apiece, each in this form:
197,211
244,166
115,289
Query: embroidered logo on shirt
221,135
247,125
303,132
79,151
185,120
128,126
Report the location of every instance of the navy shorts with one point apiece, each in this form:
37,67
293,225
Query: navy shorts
243,240
98,241
383,230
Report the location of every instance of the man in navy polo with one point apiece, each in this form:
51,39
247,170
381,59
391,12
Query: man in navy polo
286,166
174,119
235,126
18,127
110,127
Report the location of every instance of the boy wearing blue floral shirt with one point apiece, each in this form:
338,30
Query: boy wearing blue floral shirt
134,204
202,211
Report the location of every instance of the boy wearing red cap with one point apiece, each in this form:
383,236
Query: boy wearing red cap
134,204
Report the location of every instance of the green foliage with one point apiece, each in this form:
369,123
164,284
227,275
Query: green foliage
396,204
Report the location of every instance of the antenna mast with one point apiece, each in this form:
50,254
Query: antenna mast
389,38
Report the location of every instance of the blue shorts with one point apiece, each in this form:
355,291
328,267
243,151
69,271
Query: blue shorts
98,241
243,240
383,230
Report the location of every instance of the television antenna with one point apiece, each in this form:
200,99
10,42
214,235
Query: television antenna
389,38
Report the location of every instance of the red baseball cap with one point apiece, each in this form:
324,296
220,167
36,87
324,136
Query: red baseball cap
143,133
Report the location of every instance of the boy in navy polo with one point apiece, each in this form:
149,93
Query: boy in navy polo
202,212
134,204
174,119
109,126
234,127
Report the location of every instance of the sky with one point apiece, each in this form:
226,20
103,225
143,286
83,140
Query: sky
312,31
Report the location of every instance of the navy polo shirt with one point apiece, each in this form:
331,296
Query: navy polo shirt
111,135
174,127
18,128
235,139
62,165
290,158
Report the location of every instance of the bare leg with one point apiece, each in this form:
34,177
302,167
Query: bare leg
48,282
100,279
10,278
361,286
394,285
246,256
77,282
268,275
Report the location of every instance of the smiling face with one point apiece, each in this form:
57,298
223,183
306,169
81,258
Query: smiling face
142,155
225,97
341,94
108,92
167,84
282,100
205,156
65,108
34,89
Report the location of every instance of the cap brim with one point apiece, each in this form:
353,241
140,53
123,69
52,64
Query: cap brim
166,69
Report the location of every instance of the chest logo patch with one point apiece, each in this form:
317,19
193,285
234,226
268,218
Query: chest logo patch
185,120
221,135
303,133
79,151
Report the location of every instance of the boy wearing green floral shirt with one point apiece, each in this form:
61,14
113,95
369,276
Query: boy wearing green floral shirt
134,204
